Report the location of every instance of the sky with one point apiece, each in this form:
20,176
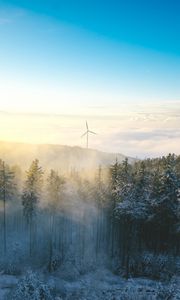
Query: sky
95,60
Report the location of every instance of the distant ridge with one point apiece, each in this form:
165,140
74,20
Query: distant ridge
57,156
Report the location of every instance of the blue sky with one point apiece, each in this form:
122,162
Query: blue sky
58,54
151,24
113,63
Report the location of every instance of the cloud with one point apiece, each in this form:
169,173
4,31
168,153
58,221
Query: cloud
134,134
144,142
146,135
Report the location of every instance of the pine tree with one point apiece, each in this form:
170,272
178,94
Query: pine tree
55,190
7,187
165,202
100,196
31,195
132,204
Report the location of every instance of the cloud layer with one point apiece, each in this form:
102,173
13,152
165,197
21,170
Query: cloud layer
142,131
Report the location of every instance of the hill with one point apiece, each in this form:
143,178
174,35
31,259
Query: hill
56,156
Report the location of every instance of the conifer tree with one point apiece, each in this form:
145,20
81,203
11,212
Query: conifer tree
31,195
55,190
7,187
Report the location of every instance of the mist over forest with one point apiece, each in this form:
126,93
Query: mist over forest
57,157
65,230
89,150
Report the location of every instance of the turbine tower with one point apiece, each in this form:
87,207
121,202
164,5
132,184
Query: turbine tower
87,134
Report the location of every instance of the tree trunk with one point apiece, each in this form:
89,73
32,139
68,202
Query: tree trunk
4,208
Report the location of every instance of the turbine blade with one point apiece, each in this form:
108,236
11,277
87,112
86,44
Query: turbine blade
92,132
87,125
84,134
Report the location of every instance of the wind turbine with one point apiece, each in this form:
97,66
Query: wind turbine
87,134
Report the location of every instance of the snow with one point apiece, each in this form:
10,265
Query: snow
98,285
103,285
7,282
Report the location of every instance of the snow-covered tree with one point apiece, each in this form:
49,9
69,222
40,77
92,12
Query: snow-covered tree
31,287
31,195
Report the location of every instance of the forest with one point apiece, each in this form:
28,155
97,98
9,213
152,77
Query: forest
123,222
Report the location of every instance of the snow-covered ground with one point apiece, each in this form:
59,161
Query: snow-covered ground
7,282
104,285
97,285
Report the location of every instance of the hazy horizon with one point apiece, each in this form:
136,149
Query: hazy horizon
144,131
63,63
